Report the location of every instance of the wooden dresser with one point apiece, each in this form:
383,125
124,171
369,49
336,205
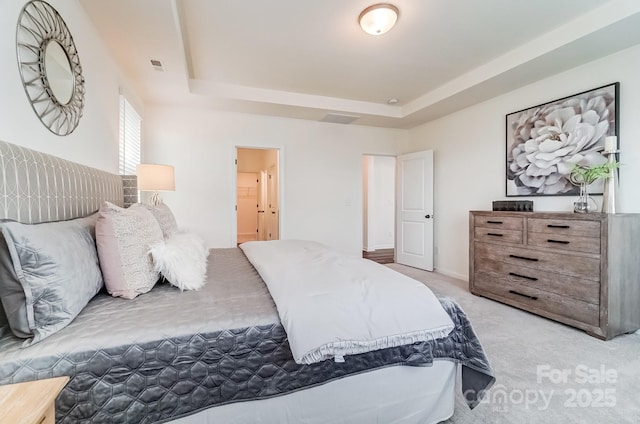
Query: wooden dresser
579,269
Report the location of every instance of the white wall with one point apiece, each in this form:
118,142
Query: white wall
469,149
95,141
379,206
320,170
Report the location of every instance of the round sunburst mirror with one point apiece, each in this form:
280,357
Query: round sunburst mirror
50,67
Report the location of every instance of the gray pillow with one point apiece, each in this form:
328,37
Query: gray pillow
163,215
4,324
48,274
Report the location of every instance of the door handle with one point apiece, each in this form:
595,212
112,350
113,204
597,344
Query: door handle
428,216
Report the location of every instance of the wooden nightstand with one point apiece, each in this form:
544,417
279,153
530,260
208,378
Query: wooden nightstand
32,402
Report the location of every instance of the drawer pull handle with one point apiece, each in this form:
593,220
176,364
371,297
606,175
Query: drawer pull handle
558,226
524,258
494,222
557,241
523,276
523,295
495,235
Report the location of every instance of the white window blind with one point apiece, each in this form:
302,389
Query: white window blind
130,124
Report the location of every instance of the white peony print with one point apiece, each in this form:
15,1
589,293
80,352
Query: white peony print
546,142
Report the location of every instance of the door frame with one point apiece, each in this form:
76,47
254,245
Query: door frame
255,177
395,217
395,213
234,187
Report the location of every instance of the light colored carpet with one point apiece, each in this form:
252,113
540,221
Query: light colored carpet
526,350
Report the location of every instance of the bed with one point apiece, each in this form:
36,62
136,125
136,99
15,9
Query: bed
220,354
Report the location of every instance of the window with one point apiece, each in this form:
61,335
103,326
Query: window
130,123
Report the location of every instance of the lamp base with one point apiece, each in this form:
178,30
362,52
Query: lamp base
155,199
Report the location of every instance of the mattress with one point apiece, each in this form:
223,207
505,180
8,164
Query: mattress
168,354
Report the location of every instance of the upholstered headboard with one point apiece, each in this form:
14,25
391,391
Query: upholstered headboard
37,187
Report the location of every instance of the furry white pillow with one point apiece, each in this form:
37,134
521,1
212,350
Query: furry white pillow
182,260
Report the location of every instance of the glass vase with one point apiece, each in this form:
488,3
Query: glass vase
584,203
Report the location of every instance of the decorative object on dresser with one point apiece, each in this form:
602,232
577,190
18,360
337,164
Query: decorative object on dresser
31,402
544,142
155,178
611,182
584,176
578,269
513,205
50,67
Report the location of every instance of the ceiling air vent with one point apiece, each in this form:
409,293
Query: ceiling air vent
339,118
157,65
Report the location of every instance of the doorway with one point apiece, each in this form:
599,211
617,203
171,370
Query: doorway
257,194
378,179
398,209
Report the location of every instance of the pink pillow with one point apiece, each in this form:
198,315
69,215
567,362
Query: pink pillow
123,238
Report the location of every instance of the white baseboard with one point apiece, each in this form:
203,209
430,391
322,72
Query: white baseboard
384,246
378,247
463,277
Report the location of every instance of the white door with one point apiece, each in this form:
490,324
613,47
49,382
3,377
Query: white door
247,203
273,210
414,210
262,205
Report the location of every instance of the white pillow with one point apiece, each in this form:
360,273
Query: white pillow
182,260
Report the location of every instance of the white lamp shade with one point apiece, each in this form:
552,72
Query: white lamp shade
378,19
152,177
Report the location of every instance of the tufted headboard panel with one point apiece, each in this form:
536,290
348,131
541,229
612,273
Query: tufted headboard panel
37,187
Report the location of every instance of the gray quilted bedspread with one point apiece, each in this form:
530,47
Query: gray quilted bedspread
168,354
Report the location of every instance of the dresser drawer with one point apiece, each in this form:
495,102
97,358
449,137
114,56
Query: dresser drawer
565,242
562,285
498,234
573,265
568,227
538,301
502,222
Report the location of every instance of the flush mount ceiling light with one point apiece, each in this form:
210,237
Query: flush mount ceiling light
379,18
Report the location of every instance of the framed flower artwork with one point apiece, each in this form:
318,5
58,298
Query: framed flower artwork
545,142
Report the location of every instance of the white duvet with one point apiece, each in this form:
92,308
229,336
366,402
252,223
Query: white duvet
331,305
